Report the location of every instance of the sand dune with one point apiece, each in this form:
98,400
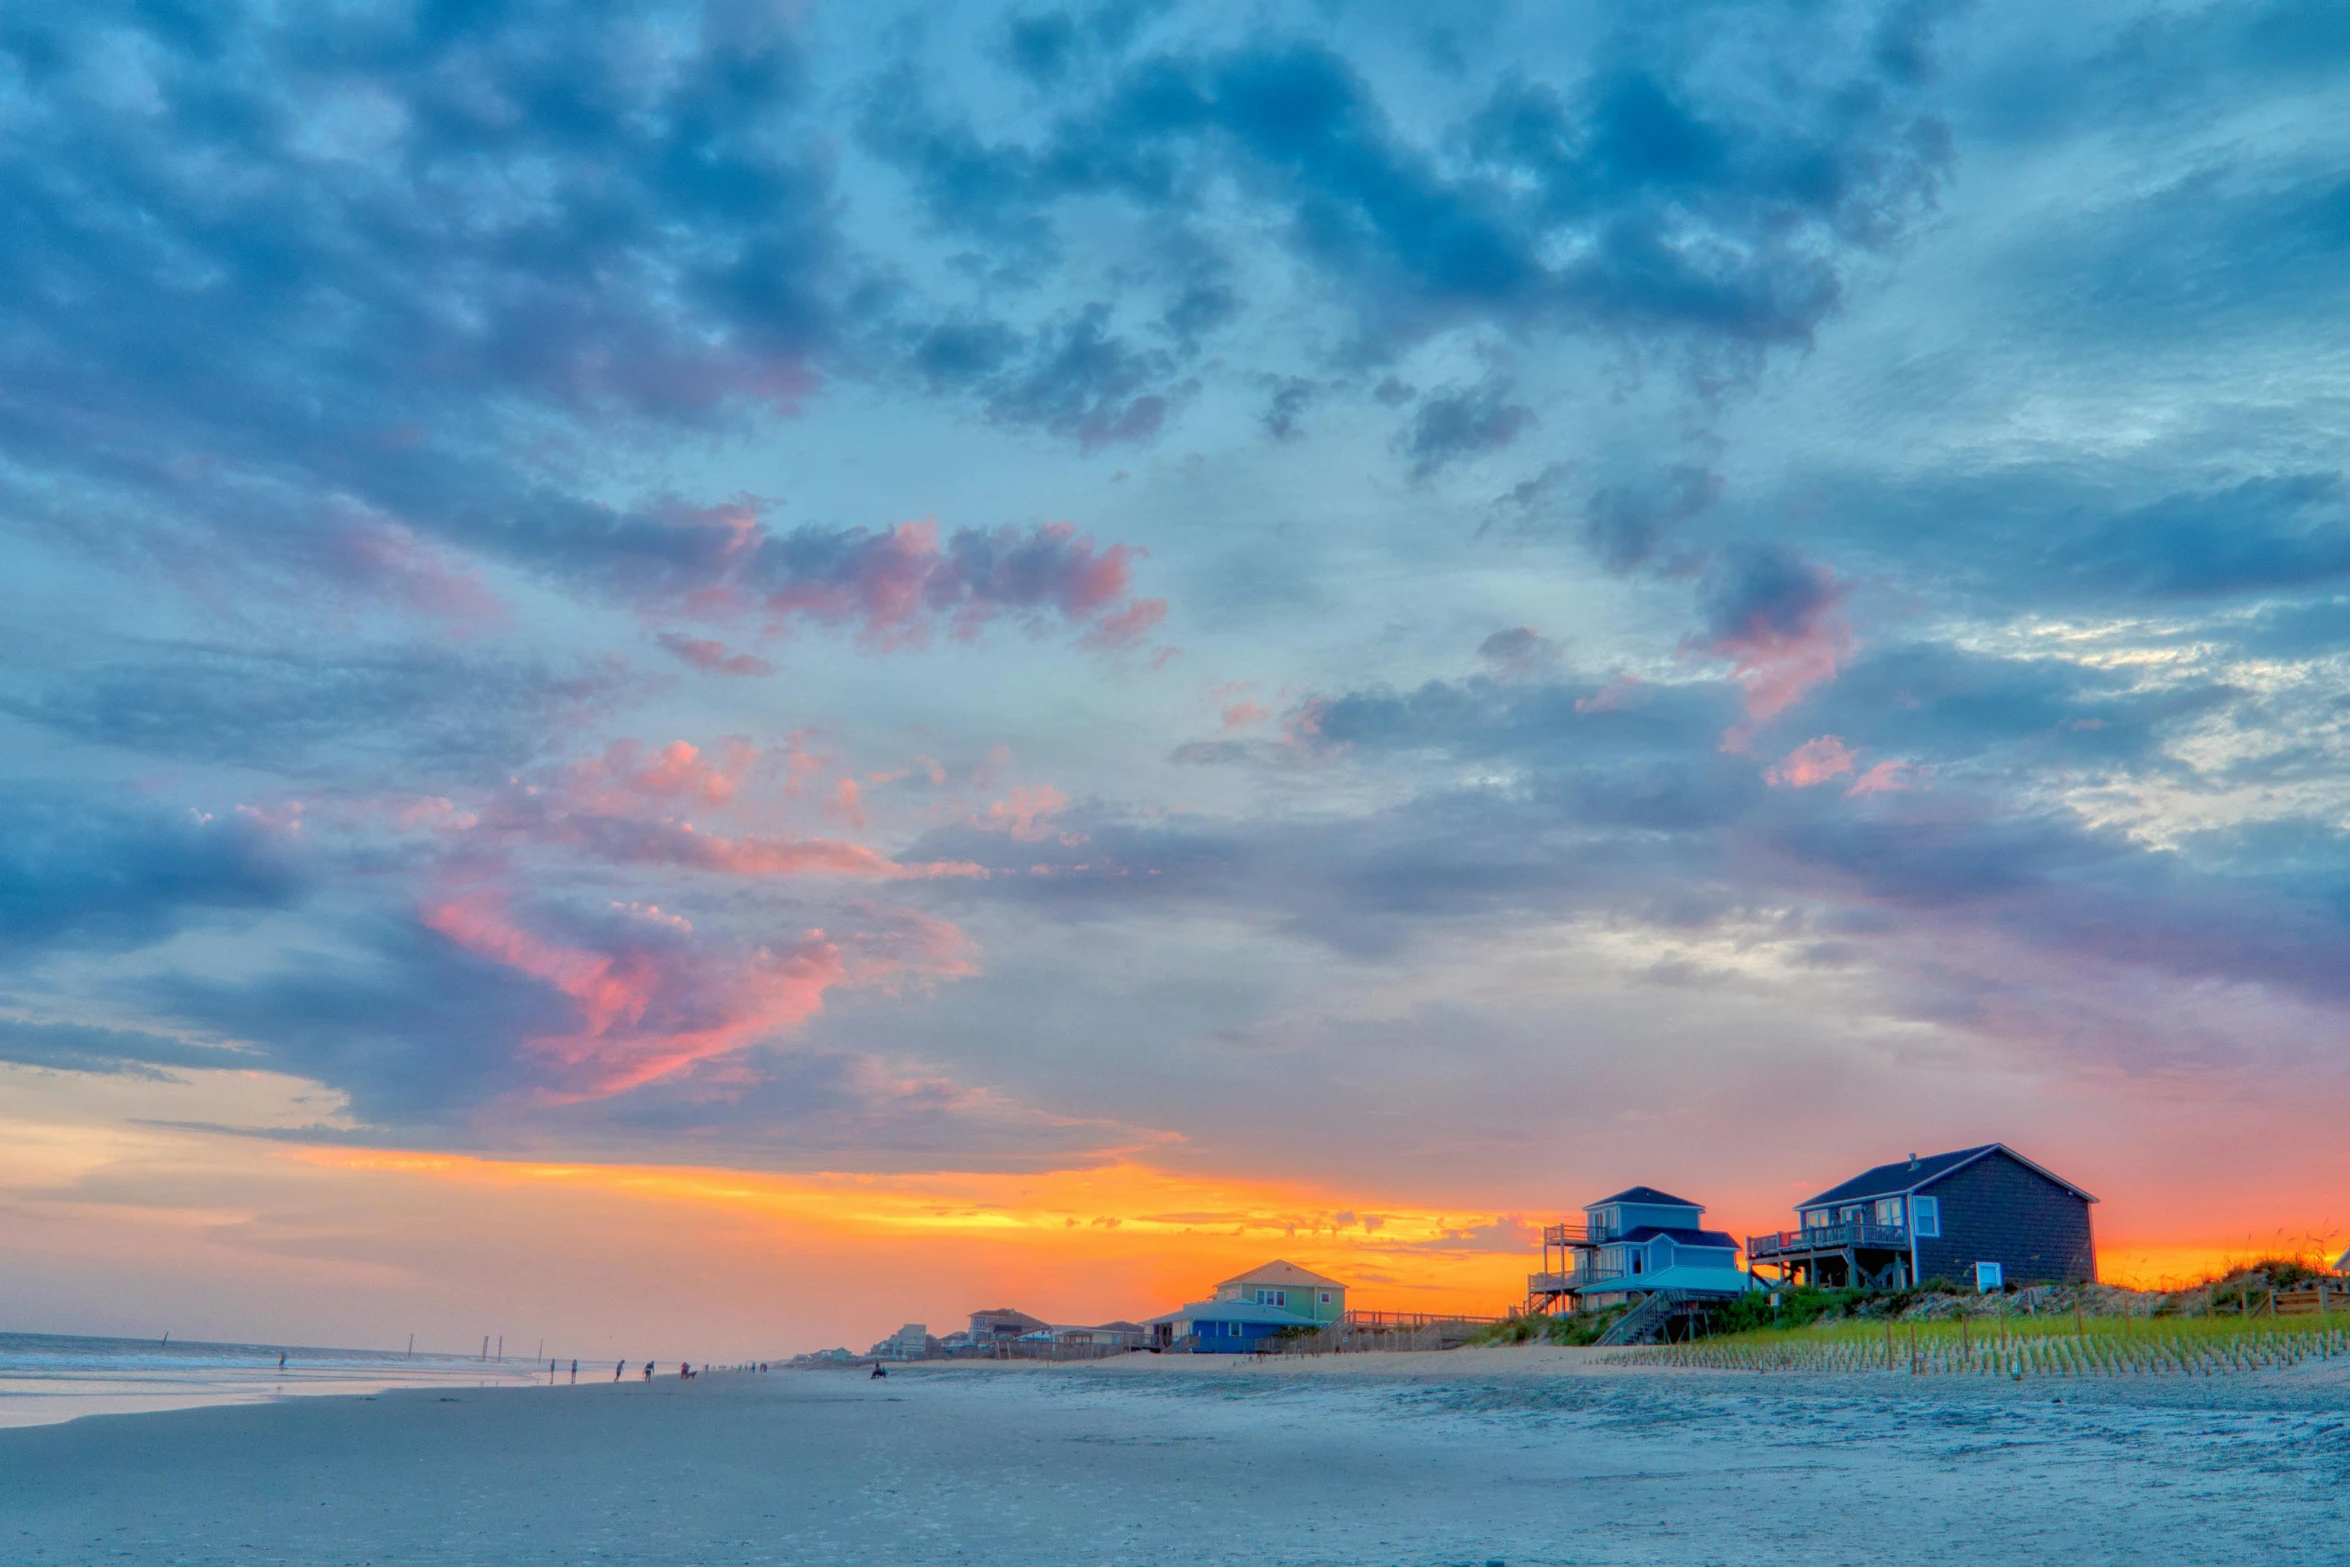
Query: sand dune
1521,1456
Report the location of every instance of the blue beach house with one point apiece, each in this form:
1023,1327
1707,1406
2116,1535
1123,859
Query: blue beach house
1250,1308
1636,1243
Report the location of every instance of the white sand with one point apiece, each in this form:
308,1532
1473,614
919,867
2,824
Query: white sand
1522,1456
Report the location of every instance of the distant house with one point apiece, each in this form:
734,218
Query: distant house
1000,1325
911,1342
1638,1242
1984,1214
1265,1302
1290,1287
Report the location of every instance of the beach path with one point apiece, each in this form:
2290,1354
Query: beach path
1463,1459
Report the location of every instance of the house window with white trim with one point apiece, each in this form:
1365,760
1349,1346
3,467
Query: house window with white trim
1272,1297
1889,1210
1325,1297
1928,1213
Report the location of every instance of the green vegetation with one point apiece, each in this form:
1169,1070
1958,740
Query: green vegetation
1580,1329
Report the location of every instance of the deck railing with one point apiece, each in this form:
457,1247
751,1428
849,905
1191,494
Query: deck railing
1566,1235
1827,1237
1579,1279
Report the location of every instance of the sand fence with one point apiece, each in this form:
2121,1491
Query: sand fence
2071,1347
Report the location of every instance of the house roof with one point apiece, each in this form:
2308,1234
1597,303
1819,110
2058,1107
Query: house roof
1907,1175
1235,1311
1647,1194
1279,1272
1685,1237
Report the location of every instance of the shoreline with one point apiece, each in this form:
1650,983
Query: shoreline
1409,1460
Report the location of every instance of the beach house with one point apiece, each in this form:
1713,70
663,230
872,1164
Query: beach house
1639,1242
1001,1325
1297,1290
1980,1218
1249,1308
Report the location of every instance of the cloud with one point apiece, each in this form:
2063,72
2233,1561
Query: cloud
1518,651
1813,763
715,657
87,867
1772,615
1625,523
1462,422
1634,201
897,585
277,706
643,1012
123,1052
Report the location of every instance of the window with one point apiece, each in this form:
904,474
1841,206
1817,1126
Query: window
1815,1219
1636,1260
1325,1297
1272,1297
1928,1214
1853,1214
1888,1210
1988,1277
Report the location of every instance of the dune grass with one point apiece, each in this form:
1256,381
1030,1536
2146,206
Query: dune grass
2048,1345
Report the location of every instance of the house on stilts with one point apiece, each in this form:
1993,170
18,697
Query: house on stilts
1984,1217
1642,1247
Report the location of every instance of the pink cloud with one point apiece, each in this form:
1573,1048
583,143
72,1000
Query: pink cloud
1245,715
1818,761
656,1005
385,558
848,802
1025,813
1812,763
643,1012
624,774
898,586
716,657
1625,691
1886,778
1773,617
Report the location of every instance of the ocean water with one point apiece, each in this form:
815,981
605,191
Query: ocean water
47,1377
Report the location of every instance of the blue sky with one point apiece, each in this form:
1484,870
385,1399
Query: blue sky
1460,606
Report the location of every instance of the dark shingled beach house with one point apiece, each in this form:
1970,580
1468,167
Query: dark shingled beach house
1984,1216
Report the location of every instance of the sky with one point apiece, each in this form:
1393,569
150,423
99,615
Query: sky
708,677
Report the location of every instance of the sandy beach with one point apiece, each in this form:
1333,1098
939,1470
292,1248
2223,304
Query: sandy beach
1520,1456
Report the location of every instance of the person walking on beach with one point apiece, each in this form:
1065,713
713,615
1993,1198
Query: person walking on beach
575,1373
648,1371
618,1368
281,1360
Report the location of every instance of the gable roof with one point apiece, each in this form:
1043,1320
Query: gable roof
1647,1194
1715,1239
1908,1175
1279,1272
